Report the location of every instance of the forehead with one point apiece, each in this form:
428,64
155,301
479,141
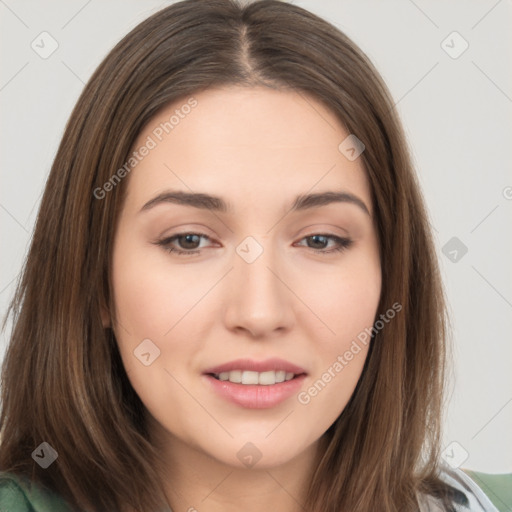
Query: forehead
240,142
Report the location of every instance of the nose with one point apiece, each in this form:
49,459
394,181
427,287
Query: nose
259,299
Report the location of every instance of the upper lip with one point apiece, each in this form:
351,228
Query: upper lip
273,364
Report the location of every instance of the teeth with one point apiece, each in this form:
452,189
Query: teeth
249,377
267,378
235,376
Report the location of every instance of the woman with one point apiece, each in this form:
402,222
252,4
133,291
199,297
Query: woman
231,299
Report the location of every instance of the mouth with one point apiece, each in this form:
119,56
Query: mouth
248,377
256,385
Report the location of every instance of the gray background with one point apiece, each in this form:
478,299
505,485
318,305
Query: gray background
457,115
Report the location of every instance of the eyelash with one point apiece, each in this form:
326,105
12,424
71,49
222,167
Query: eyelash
344,243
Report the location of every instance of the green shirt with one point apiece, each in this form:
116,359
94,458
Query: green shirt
17,495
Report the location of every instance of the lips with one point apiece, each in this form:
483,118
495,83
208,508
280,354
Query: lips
255,384
256,366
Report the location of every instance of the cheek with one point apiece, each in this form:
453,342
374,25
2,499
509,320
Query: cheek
343,299
151,295
152,301
346,301
327,392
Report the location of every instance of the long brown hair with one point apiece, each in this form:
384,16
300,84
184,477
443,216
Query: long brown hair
63,381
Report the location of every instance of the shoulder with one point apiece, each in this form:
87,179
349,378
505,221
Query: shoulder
468,496
18,495
12,498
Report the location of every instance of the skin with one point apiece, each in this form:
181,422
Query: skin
257,148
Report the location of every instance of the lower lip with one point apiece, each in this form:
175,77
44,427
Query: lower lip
253,396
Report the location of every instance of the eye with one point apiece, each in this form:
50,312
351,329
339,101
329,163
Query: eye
188,243
321,241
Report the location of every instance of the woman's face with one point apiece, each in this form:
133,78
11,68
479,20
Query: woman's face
268,287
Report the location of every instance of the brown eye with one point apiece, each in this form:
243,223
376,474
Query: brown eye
183,243
319,243
188,241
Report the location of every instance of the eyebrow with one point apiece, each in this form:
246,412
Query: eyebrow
217,204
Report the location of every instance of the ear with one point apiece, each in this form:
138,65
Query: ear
105,315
